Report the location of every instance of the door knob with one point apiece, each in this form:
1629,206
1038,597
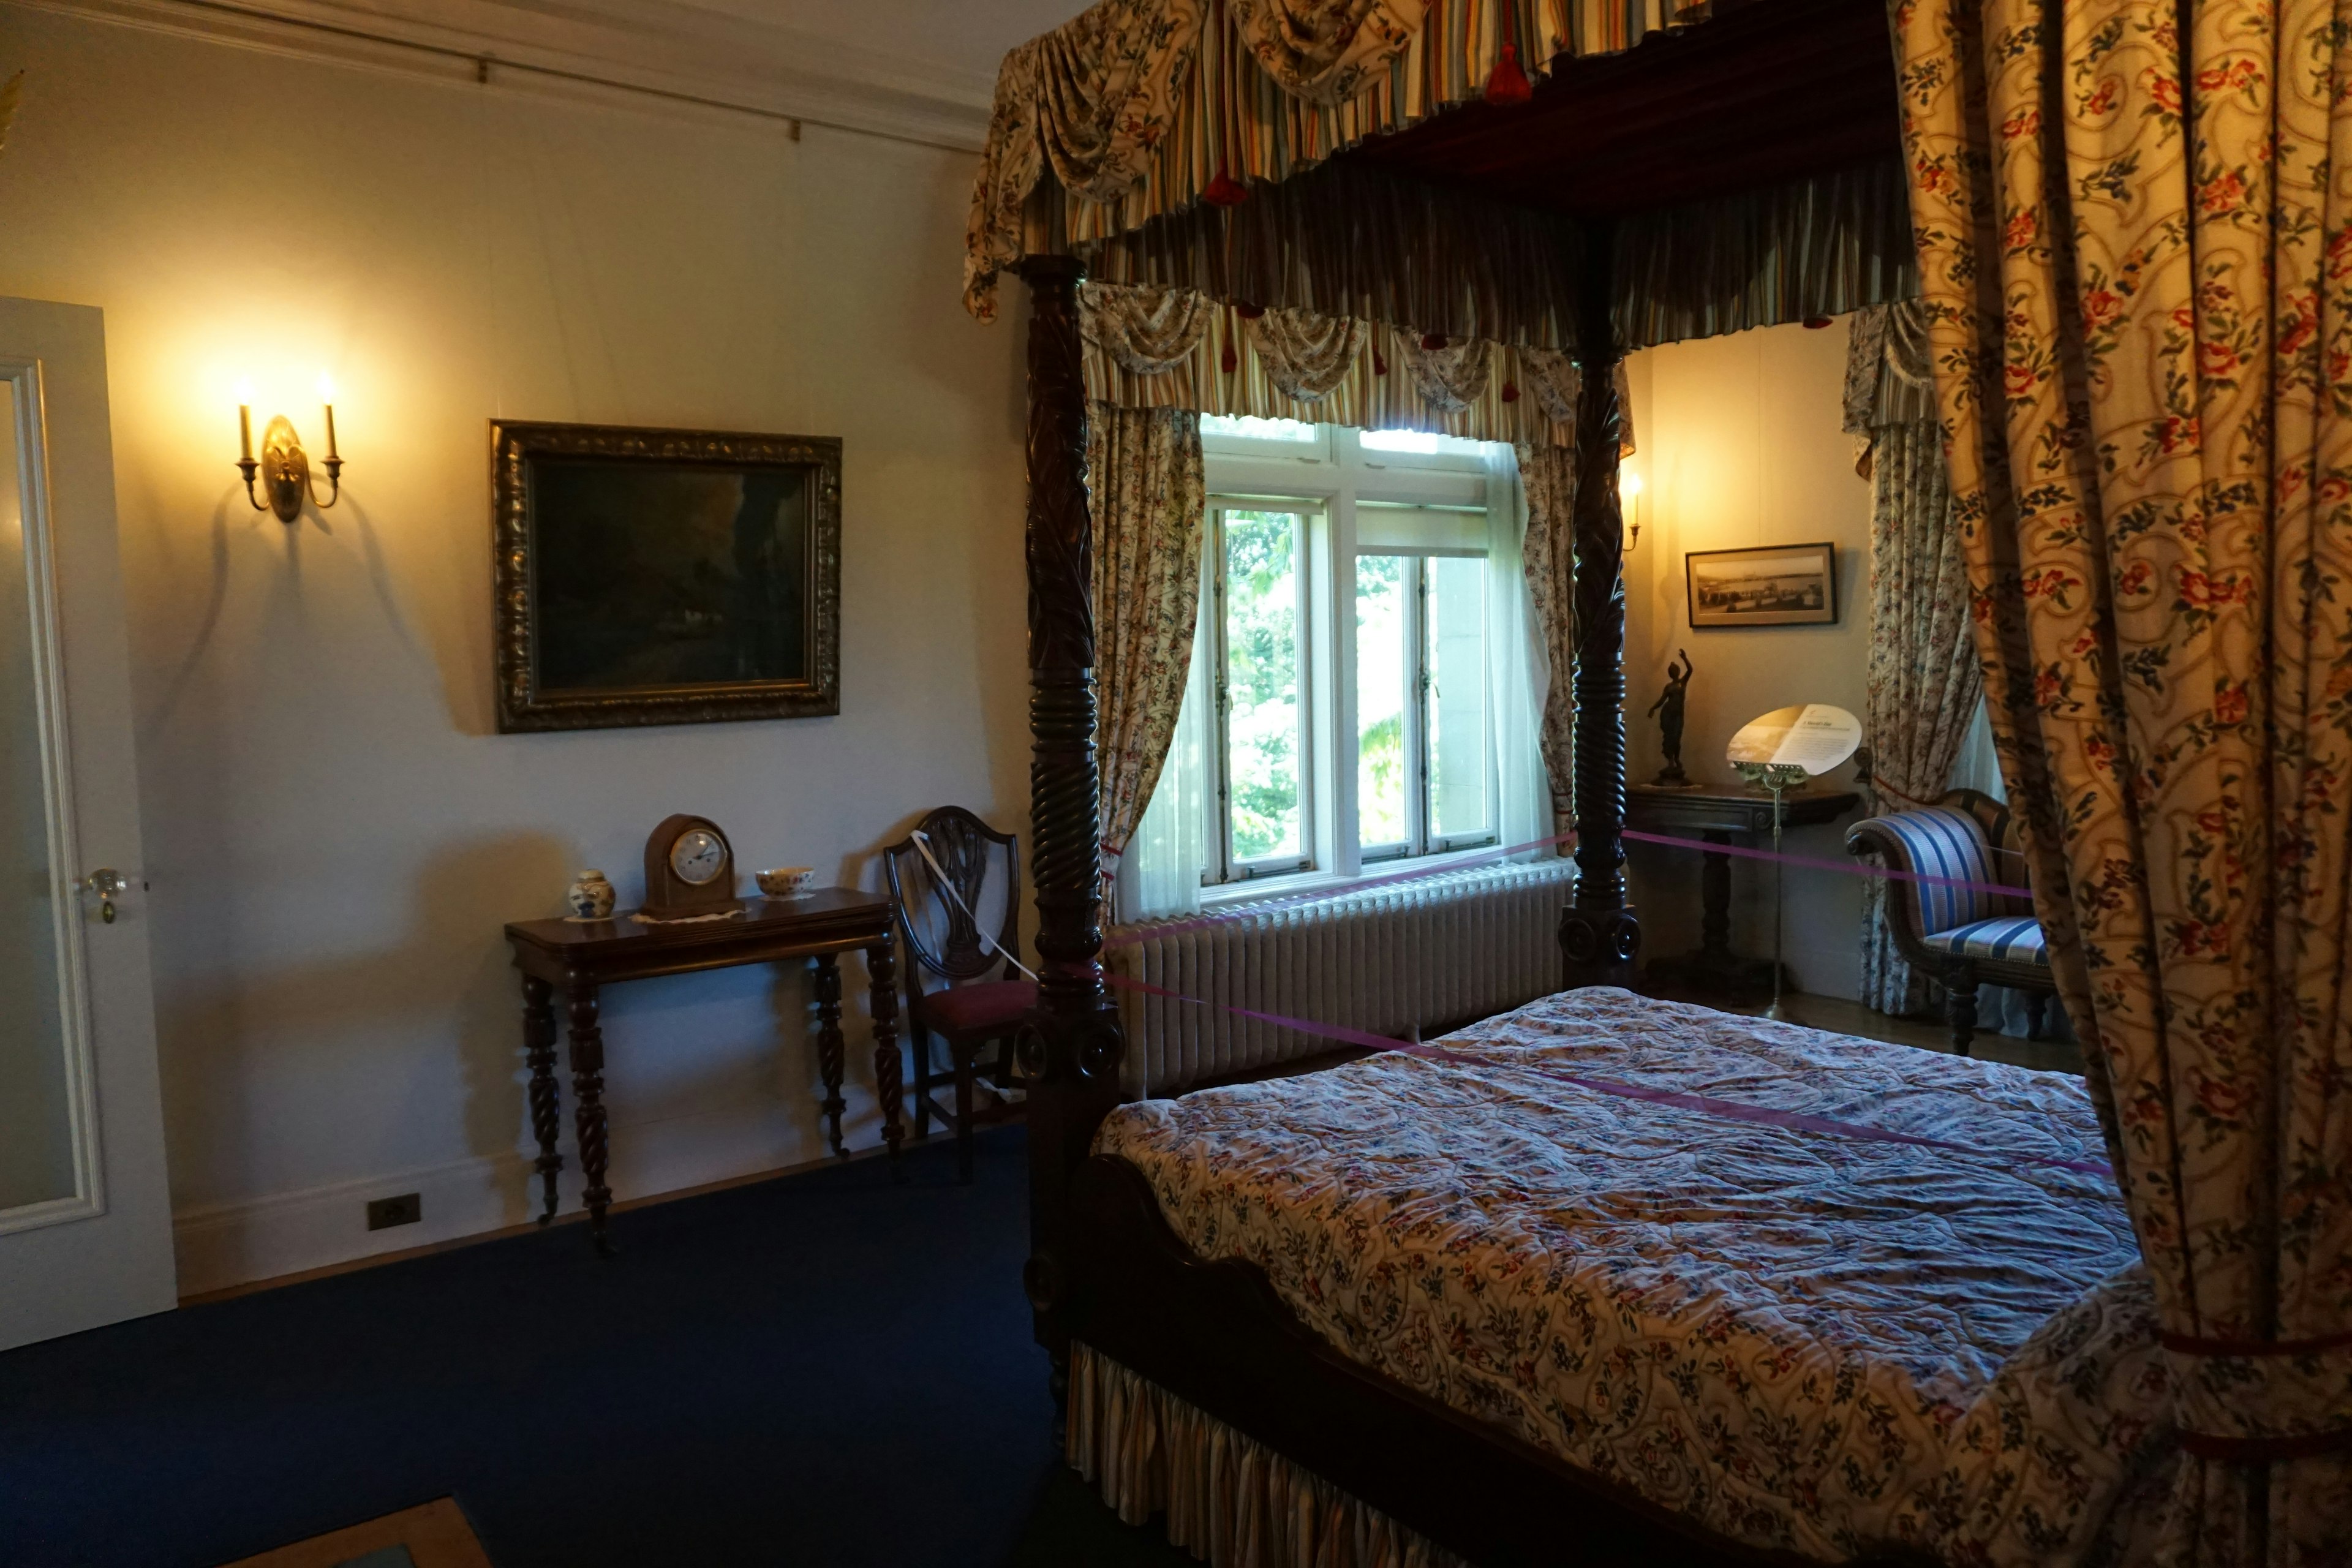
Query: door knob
109,884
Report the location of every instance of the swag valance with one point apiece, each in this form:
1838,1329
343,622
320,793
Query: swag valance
1176,348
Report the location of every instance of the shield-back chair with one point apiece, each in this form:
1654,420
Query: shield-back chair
982,1001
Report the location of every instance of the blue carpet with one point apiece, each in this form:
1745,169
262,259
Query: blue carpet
828,1368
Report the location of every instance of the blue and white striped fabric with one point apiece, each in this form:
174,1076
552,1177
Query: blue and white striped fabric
2017,938
1943,842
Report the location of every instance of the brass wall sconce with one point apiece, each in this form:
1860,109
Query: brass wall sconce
1629,489
284,467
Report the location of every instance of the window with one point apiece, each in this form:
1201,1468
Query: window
1343,687
1424,776
1261,665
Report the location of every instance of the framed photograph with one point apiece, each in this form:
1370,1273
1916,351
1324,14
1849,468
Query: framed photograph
1770,586
664,576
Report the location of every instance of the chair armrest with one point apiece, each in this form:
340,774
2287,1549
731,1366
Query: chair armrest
1875,836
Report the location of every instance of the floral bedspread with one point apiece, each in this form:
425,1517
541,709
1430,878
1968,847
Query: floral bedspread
1805,1340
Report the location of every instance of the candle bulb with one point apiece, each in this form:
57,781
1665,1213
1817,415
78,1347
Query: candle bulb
327,399
245,422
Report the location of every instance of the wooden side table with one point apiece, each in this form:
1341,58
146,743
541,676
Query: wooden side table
1718,814
584,958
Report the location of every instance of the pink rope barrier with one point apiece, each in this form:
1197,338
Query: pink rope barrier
1256,907
1849,868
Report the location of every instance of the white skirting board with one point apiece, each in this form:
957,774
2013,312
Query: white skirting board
234,1243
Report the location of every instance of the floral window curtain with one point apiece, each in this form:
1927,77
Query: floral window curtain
1149,497
2135,235
1548,479
1923,686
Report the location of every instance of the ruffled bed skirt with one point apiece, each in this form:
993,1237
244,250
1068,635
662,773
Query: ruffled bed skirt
1230,1501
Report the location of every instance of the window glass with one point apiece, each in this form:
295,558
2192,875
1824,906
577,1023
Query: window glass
1458,750
1383,646
1252,428
1427,443
1262,685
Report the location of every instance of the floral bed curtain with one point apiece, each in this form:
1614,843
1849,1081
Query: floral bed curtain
1148,498
2136,228
1923,686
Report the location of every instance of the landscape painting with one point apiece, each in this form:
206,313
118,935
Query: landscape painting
1770,586
662,577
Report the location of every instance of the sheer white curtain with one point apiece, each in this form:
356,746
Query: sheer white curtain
1161,873
1518,670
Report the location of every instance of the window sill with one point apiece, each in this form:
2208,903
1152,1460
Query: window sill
1225,895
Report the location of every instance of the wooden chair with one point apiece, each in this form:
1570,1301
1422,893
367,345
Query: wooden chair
982,1002
1963,937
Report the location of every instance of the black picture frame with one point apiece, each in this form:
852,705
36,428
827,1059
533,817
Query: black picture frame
1761,586
652,576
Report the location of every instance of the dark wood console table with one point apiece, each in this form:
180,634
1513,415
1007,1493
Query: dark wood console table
1719,815
584,958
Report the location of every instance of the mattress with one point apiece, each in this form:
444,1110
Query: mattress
1760,1311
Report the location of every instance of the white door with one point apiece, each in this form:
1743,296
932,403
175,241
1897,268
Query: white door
85,1214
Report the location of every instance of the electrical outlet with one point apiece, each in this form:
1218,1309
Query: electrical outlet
385,1213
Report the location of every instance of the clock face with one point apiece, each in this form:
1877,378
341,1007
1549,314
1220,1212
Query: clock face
698,856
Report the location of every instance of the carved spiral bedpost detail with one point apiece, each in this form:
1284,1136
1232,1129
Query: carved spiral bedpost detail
1599,936
1071,1045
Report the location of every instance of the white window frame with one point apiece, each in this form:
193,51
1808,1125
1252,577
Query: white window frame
1227,867
1324,480
1422,837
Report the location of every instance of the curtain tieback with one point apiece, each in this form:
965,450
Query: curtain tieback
1879,785
2258,1401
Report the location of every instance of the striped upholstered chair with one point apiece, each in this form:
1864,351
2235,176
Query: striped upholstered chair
1963,937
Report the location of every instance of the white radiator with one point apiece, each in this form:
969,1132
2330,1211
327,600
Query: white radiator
1432,951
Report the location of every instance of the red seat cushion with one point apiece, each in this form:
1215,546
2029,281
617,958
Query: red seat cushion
995,1004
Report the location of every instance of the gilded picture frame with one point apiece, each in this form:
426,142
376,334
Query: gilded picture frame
652,576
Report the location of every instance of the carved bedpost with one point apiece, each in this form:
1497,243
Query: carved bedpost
1071,1045
1599,937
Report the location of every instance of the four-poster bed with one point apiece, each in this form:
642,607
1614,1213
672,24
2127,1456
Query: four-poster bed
1739,170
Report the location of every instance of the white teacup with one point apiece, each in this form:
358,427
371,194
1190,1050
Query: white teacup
788,881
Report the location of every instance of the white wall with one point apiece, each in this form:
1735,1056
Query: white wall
1741,445
336,834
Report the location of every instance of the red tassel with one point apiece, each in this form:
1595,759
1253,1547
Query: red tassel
1507,83
1224,191
1510,392
1248,311
1817,322
1433,342
1379,364
1229,361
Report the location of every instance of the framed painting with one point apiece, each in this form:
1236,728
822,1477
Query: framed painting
664,576
1769,585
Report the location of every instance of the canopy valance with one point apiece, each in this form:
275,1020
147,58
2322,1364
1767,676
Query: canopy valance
1146,107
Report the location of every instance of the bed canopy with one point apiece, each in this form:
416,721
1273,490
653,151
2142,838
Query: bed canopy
1460,215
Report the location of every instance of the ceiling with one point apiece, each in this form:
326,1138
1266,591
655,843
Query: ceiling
921,70
965,36
1773,88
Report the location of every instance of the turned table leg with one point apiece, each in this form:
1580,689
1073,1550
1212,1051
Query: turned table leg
825,982
546,1112
588,1102
882,965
